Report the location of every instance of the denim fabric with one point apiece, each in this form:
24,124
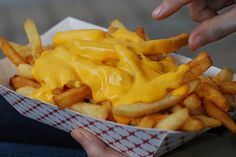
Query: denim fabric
36,139
26,150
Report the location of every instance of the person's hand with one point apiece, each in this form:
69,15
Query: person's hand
93,145
212,27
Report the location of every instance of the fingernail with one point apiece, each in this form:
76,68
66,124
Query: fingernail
197,42
157,11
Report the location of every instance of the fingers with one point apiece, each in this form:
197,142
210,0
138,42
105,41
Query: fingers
213,29
199,11
93,145
169,7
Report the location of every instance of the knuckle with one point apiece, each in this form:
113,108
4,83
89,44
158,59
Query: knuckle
218,33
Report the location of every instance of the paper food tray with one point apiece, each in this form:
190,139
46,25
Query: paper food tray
131,141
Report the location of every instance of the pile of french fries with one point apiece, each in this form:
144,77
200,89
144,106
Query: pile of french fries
206,104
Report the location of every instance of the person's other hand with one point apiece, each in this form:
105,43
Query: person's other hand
93,145
212,27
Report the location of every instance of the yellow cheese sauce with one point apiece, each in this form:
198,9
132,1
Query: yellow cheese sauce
83,55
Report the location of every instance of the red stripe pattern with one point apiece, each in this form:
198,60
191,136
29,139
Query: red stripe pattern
131,141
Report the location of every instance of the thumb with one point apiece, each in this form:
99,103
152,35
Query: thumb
93,145
213,29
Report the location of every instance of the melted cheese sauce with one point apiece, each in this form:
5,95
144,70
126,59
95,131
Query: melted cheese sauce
83,55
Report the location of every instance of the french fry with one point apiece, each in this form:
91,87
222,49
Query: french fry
230,100
161,46
176,108
140,31
192,102
193,125
57,91
108,105
141,109
26,90
209,92
174,121
224,75
18,82
213,111
33,37
116,24
11,53
93,110
209,122
198,66
157,57
135,121
197,111
23,50
228,87
149,121
25,70
72,84
72,96
30,60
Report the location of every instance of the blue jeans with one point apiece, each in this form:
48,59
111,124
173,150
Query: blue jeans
29,150
23,137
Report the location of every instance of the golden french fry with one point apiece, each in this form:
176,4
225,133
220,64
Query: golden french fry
30,60
198,66
193,125
209,122
174,121
141,109
25,70
27,90
122,120
140,31
157,57
230,100
192,102
147,122
150,121
18,82
93,110
23,50
72,84
117,24
33,37
48,47
228,87
57,91
197,111
213,111
135,121
208,80
108,105
224,75
210,92
176,108
72,96
161,46
11,53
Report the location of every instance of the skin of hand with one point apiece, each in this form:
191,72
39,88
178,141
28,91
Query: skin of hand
213,26
93,145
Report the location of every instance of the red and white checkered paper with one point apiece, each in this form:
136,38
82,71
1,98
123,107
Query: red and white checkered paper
131,141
